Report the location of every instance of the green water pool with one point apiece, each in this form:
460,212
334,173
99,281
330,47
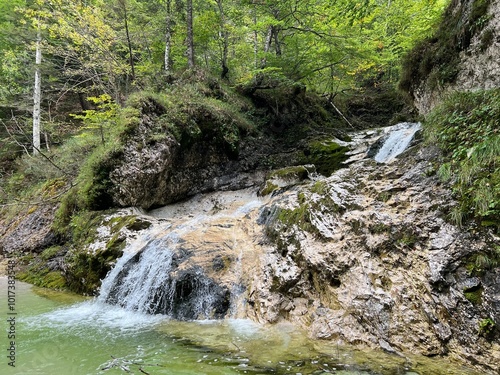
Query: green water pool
60,333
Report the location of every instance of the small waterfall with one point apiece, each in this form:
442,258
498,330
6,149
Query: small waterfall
396,141
176,270
138,281
190,265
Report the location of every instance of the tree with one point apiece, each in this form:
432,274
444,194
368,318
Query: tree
190,35
168,37
37,93
225,39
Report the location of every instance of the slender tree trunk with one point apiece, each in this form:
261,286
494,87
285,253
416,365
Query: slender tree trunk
129,43
37,94
267,46
168,36
255,39
190,37
269,39
277,44
225,40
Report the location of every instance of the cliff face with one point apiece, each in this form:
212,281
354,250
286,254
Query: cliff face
464,54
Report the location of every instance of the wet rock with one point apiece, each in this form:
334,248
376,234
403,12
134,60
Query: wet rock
382,266
197,296
30,233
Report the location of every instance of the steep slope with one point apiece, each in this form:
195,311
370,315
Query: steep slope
463,55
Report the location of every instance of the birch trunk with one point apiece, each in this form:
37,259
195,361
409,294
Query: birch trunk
37,95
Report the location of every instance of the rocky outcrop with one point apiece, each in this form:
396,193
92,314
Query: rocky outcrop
368,257
365,257
154,170
30,232
471,31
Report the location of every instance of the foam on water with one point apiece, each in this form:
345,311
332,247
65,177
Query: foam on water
94,314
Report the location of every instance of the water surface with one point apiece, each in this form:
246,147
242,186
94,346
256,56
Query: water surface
61,333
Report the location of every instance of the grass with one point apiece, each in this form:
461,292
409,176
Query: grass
465,127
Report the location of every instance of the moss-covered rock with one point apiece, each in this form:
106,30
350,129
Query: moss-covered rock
98,241
327,156
44,270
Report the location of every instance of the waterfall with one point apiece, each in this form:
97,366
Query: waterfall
191,263
187,267
396,141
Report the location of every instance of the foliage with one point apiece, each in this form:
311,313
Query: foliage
97,47
437,57
486,327
465,127
104,116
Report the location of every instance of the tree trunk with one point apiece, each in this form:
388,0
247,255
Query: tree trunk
131,53
37,95
190,38
255,39
225,40
168,36
277,44
267,46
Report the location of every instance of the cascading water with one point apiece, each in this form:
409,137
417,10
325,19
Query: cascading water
396,141
194,262
166,272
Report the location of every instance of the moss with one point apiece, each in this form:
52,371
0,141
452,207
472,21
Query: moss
284,177
486,327
38,272
474,296
327,156
269,188
295,172
97,186
319,187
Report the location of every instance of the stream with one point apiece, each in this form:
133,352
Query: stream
130,327
61,333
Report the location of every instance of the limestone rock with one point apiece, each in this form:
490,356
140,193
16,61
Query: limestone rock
369,251
29,233
479,63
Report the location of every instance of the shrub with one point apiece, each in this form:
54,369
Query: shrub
465,127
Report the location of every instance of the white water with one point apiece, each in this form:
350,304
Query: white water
399,137
145,278
141,280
